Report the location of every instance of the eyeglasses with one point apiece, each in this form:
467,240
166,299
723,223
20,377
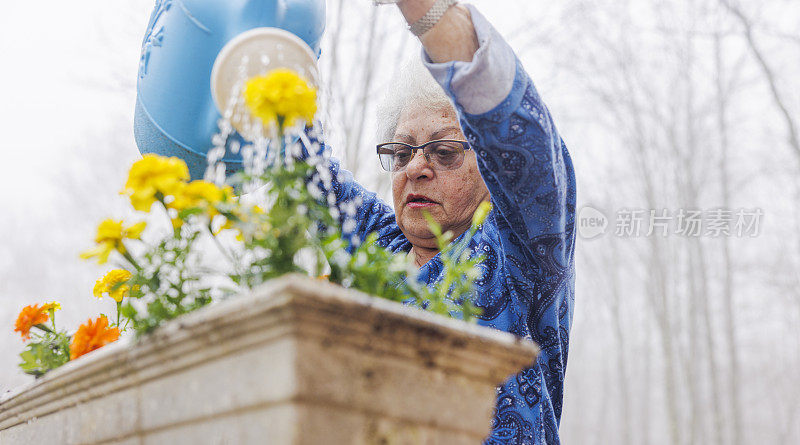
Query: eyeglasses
443,154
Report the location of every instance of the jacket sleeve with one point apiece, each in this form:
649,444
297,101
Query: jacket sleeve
370,213
529,173
359,211
521,157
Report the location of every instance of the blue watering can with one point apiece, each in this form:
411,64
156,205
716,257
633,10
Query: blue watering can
175,112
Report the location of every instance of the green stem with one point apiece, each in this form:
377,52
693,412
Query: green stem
281,141
127,256
119,306
44,328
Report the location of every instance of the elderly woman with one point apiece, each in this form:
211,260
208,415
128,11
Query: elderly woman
491,139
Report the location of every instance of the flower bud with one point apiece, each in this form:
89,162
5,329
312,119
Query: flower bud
480,214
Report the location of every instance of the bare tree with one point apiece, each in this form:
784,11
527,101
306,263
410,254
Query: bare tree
770,76
361,53
729,305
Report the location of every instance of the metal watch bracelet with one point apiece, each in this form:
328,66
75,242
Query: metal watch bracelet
432,17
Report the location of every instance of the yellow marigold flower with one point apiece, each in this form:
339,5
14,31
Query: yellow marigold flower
201,194
29,317
54,306
481,213
151,175
92,335
110,234
281,94
114,284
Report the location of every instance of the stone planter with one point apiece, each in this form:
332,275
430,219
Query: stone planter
299,361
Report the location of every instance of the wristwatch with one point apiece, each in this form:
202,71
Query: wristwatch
427,21
432,17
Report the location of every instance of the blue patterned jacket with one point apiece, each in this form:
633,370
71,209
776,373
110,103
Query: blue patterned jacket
527,283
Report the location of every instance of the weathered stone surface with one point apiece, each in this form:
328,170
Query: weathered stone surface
298,361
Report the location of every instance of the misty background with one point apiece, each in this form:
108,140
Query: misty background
681,104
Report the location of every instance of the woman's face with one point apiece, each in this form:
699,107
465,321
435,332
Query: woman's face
450,196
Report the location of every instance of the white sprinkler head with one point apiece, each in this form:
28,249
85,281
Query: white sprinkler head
252,53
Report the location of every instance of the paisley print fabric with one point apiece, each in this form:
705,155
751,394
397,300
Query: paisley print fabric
527,284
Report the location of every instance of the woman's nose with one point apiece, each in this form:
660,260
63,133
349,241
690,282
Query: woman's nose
419,167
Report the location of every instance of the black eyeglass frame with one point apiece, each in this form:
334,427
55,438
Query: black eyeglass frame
464,145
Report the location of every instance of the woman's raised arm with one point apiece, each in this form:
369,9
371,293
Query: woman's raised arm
453,38
529,174
521,156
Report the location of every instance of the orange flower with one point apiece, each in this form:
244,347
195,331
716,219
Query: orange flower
30,317
91,336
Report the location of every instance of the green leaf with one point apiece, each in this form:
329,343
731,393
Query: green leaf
186,213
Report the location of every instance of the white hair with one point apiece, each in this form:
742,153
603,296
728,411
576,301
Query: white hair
414,86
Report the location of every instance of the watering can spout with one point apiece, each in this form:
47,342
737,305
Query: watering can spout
175,112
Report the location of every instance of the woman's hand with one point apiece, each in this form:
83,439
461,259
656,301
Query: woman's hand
452,39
